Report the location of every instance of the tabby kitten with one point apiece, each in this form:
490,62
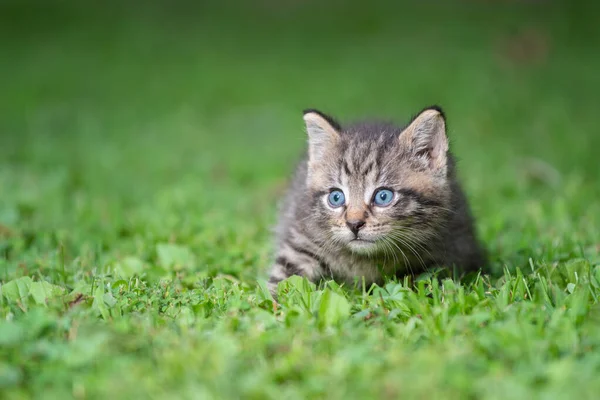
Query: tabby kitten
372,200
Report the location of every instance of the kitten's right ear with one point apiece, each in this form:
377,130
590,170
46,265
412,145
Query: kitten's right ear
323,134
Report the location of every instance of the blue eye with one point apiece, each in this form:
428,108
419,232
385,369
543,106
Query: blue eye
383,197
336,198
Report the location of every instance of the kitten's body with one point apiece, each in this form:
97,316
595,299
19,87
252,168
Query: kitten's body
427,223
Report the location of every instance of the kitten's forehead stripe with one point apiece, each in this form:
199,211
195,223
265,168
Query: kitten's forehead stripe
346,168
367,168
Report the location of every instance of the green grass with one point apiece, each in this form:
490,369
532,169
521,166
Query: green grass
143,149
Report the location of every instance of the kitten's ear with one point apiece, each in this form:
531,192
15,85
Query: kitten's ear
323,134
426,138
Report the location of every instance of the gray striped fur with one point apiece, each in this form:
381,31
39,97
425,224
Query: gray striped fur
427,224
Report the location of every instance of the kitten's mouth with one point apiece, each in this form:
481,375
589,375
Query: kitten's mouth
360,240
361,245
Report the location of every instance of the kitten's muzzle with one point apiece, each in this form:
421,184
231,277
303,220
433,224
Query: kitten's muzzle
355,224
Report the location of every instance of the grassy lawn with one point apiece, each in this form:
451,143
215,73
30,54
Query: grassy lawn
143,150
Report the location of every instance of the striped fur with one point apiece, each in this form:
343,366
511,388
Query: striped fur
427,223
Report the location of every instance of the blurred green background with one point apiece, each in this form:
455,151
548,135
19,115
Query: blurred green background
111,105
154,139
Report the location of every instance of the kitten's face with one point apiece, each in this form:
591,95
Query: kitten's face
376,187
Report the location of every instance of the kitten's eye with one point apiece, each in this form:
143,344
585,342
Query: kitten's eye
383,197
336,198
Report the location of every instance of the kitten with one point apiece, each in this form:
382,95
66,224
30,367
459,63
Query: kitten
372,200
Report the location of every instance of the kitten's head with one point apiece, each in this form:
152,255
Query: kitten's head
375,186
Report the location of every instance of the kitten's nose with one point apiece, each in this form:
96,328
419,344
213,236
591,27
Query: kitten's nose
355,225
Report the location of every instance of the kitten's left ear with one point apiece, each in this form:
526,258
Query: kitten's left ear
426,138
